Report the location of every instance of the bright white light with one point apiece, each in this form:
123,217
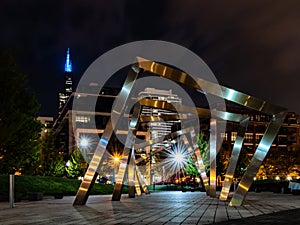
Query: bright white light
289,177
84,142
177,158
277,178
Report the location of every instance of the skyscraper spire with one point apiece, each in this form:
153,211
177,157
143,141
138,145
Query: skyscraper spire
64,96
68,64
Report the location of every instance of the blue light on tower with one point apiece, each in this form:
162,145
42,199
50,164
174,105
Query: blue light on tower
68,64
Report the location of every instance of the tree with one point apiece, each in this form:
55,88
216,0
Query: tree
19,128
203,146
223,158
51,162
74,165
242,164
191,169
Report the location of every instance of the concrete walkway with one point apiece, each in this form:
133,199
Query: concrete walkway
156,208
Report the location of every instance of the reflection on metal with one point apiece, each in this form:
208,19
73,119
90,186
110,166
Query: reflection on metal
128,163
141,181
257,159
131,175
137,185
194,140
128,158
212,157
234,159
121,174
278,113
91,173
195,154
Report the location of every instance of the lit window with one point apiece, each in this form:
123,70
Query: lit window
233,136
82,119
258,137
224,136
249,137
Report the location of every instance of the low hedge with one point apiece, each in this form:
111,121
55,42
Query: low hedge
50,186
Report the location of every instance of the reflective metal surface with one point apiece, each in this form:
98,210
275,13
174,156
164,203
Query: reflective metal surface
234,159
257,159
128,162
142,181
195,154
237,97
91,173
212,158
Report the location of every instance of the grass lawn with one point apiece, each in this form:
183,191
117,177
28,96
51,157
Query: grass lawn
50,186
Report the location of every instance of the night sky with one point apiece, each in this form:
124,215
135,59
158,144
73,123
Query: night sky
251,46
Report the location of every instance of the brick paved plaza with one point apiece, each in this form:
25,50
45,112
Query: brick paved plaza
156,208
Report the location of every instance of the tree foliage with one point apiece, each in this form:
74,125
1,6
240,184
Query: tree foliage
74,168
222,161
191,168
52,163
19,128
203,146
242,164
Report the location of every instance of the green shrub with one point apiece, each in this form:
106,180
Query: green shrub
50,186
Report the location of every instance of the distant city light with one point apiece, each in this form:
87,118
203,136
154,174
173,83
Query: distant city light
289,177
277,178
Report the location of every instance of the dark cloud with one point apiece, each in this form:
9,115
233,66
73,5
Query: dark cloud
251,46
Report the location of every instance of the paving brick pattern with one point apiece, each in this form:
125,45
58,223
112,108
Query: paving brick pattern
156,208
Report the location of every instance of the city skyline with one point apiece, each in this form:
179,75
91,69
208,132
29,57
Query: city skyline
251,47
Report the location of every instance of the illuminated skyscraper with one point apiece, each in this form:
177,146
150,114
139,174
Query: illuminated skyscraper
64,96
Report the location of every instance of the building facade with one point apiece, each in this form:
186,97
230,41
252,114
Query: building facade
47,123
281,161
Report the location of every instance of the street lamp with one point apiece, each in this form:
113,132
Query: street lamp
84,142
177,158
116,157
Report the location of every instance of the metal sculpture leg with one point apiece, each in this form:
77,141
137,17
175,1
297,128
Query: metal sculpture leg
137,185
128,157
141,181
213,156
234,159
196,156
201,165
121,175
257,159
91,173
131,175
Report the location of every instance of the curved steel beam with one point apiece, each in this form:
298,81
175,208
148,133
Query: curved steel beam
234,159
127,163
91,173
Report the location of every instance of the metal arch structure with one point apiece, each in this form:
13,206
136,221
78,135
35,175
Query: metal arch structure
278,114
227,116
128,161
